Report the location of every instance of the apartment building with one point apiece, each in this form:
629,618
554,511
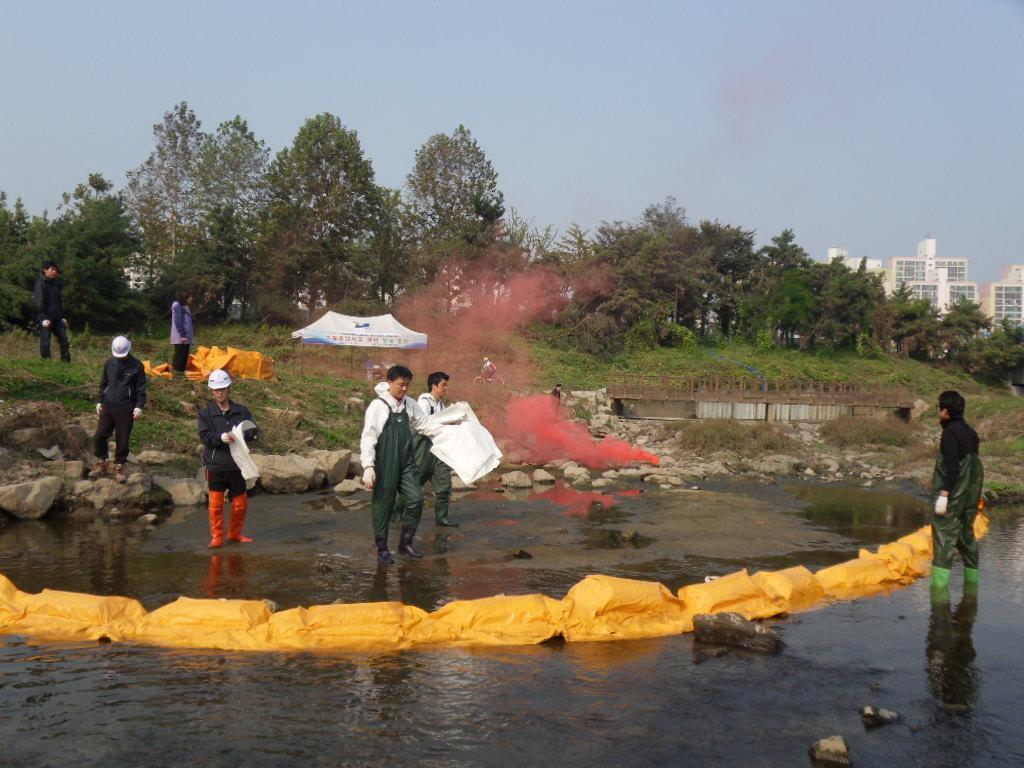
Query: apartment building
942,280
1004,299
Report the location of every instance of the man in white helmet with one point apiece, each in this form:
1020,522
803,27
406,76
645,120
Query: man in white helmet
122,397
222,473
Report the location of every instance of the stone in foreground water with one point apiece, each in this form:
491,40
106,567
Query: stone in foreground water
733,629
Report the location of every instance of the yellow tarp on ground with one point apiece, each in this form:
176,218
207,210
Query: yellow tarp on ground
597,608
240,363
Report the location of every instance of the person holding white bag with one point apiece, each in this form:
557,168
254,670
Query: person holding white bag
217,422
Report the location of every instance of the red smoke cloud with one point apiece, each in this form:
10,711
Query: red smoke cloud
537,428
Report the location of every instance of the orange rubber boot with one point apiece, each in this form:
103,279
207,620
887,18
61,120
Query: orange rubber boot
216,519
239,504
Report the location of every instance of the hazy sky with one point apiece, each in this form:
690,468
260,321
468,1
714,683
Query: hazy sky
862,124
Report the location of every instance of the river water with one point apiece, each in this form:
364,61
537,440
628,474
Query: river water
951,669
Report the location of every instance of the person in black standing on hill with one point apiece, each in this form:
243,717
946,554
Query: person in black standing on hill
50,312
122,397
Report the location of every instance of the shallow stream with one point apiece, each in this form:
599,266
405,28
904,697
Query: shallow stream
952,670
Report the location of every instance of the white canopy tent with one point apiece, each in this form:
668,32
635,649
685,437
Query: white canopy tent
382,331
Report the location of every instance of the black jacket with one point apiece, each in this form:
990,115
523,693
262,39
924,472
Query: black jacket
958,440
48,303
123,384
213,422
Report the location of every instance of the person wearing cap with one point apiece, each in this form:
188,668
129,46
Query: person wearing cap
50,312
122,396
222,473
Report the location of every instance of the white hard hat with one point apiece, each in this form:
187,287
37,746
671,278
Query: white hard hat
487,359
219,379
120,346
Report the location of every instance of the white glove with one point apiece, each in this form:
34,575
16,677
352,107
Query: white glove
99,408
940,505
369,477
227,438
136,413
46,323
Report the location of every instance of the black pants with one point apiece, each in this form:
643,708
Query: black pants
226,480
117,422
58,329
180,360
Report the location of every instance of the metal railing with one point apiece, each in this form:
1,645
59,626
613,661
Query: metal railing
645,386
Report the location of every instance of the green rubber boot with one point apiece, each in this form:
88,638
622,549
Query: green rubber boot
971,575
940,583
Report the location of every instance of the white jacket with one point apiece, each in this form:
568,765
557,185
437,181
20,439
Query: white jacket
429,405
377,412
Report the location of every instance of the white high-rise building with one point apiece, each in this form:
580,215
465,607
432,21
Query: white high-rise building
1004,299
943,281
853,262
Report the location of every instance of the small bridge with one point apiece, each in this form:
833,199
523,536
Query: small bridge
650,396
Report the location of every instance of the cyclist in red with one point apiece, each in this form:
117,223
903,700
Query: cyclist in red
489,371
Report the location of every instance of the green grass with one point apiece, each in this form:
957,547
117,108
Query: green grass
554,361
313,386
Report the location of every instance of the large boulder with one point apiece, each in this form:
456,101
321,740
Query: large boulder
733,629
543,476
31,500
285,418
184,491
104,492
516,480
830,752
70,472
159,457
34,438
288,474
333,463
574,473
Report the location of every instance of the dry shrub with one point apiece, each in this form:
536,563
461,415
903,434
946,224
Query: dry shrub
706,436
850,432
32,413
916,454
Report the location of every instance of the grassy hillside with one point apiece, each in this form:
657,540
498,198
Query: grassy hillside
578,370
320,383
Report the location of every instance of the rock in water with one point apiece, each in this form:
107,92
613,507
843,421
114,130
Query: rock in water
733,629
149,519
831,751
184,491
333,463
288,474
543,476
345,487
522,554
516,480
876,717
31,500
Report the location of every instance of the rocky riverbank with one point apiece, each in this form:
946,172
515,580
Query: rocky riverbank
46,453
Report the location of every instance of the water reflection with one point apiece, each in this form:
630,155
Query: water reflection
867,515
219,585
953,676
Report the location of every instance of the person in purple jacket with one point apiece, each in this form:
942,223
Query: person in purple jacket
182,334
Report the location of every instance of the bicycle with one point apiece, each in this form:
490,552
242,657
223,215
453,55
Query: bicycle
492,380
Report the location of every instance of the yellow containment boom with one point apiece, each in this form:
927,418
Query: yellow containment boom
597,608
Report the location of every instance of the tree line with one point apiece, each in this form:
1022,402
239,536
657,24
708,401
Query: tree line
279,237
